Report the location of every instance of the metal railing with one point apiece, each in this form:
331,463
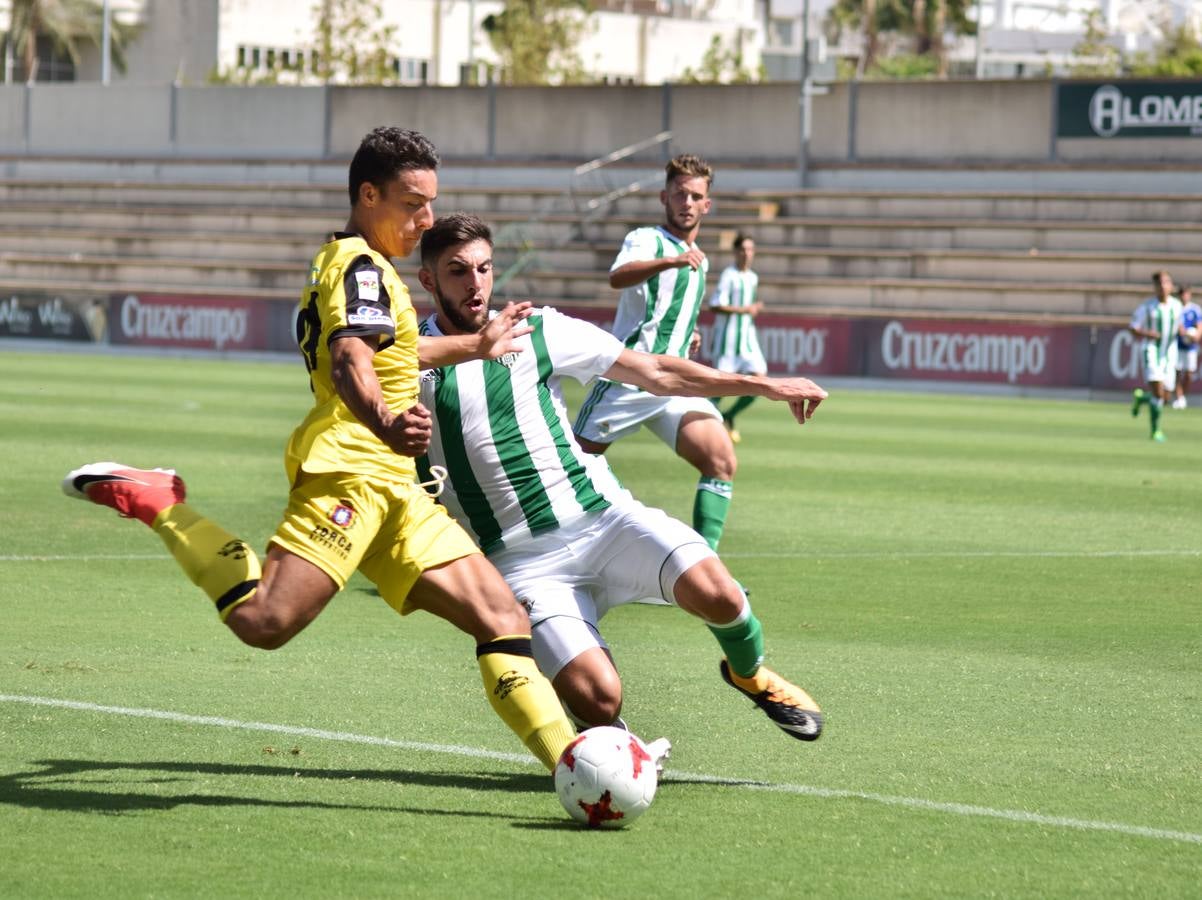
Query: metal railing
592,191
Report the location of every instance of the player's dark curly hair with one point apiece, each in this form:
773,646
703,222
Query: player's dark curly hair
451,231
690,166
384,152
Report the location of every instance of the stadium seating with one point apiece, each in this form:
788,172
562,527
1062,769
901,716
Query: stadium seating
956,253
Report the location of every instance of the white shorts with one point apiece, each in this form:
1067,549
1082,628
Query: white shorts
752,363
612,411
1162,369
571,577
1187,360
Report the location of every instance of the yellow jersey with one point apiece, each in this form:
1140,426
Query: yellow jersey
353,291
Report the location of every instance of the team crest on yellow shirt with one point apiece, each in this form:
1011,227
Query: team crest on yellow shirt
343,514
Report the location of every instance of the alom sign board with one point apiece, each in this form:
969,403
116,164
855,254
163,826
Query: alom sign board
1129,109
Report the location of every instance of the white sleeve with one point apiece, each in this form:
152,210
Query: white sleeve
639,244
577,348
721,295
1137,317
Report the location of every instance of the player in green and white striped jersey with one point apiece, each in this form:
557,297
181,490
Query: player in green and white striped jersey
734,346
571,542
1158,321
661,273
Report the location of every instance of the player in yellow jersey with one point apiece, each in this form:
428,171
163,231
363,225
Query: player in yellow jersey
353,502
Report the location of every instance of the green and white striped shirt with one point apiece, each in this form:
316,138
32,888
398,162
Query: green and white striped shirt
734,333
1164,318
502,431
659,315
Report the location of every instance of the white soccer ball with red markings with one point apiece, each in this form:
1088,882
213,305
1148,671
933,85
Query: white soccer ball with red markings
605,778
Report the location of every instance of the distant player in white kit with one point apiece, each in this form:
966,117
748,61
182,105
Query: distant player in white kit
1158,321
569,539
1187,344
734,345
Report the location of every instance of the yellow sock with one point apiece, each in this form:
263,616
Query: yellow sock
220,564
523,698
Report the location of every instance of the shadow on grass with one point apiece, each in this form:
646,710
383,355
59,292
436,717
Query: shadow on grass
111,787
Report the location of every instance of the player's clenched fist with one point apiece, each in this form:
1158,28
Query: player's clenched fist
409,434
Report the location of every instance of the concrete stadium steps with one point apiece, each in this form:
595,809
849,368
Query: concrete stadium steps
333,197
263,224
774,262
993,205
865,294
296,250
643,205
781,294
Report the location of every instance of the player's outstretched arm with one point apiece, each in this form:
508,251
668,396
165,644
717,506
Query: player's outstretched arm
639,270
496,339
671,376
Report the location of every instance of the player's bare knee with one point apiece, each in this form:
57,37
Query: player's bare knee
600,706
723,465
708,590
259,628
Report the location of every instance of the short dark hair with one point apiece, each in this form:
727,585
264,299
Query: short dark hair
1184,289
450,231
690,166
741,239
384,152
1157,275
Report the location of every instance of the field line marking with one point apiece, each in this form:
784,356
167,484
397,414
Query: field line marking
294,730
85,557
809,555
962,554
958,809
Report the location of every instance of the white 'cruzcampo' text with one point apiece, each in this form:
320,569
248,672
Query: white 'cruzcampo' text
1011,355
216,325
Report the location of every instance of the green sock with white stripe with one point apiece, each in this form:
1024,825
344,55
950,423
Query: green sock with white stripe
710,506
742,641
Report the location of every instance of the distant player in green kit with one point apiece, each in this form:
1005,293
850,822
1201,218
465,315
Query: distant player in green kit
661,272
1158,321
734,346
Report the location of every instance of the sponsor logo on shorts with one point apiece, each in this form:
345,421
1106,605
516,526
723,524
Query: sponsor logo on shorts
331,540
343,514
508,683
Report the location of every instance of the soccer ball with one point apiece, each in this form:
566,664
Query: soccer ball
605,778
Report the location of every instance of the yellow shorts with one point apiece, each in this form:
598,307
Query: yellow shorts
390,532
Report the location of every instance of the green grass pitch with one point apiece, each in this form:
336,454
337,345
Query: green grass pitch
995,600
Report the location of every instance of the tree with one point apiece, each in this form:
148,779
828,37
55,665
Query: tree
720,65
537,40
67,24
1094,56
1179,55
888,26
352,44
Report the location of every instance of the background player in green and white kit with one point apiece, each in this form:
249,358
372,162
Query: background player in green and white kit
734,346
661,271
569,539
1158,321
